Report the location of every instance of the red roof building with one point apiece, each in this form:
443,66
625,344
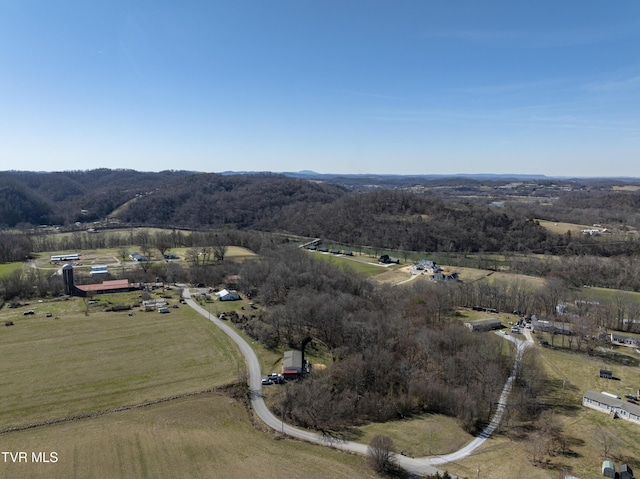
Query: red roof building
113,286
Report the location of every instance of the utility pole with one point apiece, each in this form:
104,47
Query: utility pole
478,471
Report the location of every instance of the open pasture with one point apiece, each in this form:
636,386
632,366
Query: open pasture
8,268
360,264
559,227
426,435
205,436
71,363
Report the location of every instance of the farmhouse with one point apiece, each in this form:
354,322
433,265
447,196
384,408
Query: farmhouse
427,266
611,405
225,295
137,257
487,324
624,340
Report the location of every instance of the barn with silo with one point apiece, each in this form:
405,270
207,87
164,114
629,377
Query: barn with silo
72,289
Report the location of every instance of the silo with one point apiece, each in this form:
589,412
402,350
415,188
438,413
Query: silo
67,276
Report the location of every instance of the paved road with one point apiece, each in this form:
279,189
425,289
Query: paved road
422,465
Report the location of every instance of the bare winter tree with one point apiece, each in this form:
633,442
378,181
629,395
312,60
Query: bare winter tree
608,441
380,454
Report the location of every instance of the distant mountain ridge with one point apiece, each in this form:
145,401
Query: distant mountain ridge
249,199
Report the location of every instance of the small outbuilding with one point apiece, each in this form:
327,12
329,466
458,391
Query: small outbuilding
99,269
386,259
606,374
625,472
608,469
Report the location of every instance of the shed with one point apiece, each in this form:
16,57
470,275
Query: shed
292,364
386,259
625,472
608,469
99,269
606,374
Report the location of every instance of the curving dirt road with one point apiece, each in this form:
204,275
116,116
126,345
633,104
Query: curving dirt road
422,465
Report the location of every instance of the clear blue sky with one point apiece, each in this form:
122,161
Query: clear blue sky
338,86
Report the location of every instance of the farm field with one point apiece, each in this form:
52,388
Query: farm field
584,426
8,268
559,227
576,229
364,265
112,258
79,364
205,436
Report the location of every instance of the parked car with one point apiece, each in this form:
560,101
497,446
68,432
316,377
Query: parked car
266,382
163,310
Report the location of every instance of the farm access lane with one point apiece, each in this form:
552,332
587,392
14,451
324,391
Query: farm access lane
420,465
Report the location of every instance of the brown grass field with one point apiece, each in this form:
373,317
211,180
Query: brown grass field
206,436
576,229
79,364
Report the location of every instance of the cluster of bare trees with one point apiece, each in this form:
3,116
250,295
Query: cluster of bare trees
14,247
28,284
389,359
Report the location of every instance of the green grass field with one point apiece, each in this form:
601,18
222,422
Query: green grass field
78,364
363,265
8,268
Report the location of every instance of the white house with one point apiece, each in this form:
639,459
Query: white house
624,340
610,404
